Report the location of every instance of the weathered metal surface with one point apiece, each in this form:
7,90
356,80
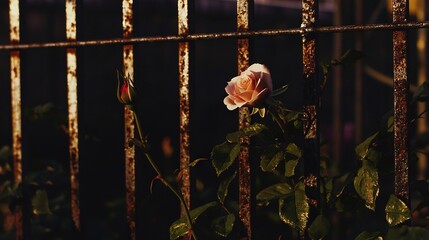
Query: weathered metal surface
400,91
128,68
311,151
244,171
73,134
70,10
15,82
224,35
184,55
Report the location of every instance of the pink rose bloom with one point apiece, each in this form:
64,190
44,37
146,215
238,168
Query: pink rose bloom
250,89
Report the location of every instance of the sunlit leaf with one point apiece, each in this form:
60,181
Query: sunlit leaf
223,225
290,168
362,149
293,210
252,130
279,190
180,227
294,150
222,191
269,164
365,235
397,211
40,203
224,155
319,228
196,161
366,184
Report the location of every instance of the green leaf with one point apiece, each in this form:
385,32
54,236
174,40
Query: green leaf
319,228
196,161
362,149
5,153
389,124
279,190
252,130
294,150
280,90
366,184
351,56
268,165
290,168
293,210
180,227
422,93
397,211
223,225
365,235
40,203
223,156
222,191
407,233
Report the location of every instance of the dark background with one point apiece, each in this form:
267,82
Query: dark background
156,76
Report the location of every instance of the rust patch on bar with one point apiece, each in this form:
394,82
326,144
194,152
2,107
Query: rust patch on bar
309,51
14,21
130,177
73,134
184,122
127,18
310,131
244,189
15,73
71,20
400,91
183,17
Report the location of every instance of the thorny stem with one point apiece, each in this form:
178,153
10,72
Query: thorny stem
160,176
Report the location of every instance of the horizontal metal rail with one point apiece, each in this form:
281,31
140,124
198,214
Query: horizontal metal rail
223,35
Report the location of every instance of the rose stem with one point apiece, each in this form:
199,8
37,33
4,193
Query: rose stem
160,176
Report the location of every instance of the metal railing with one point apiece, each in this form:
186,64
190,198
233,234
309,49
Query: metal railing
309,31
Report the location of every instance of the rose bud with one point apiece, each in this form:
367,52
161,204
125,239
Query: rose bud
126,91
250,89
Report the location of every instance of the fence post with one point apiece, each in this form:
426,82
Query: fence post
311,109
70,10
128,68
15,83
400,93
244,11
183,11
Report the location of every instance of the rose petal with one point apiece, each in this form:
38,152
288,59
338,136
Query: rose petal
246,96
229,102
264,82
259,99
230,88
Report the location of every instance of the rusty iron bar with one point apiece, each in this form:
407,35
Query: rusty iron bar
311,109
421,78
15,79
244,8
184,55
400,91
224,35
70,11
358,74
130,165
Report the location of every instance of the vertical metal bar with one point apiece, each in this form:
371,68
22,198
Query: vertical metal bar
70,9
130,175
400,92
359,73
421,78
311,107
337,89
184,50
244,191
15,77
